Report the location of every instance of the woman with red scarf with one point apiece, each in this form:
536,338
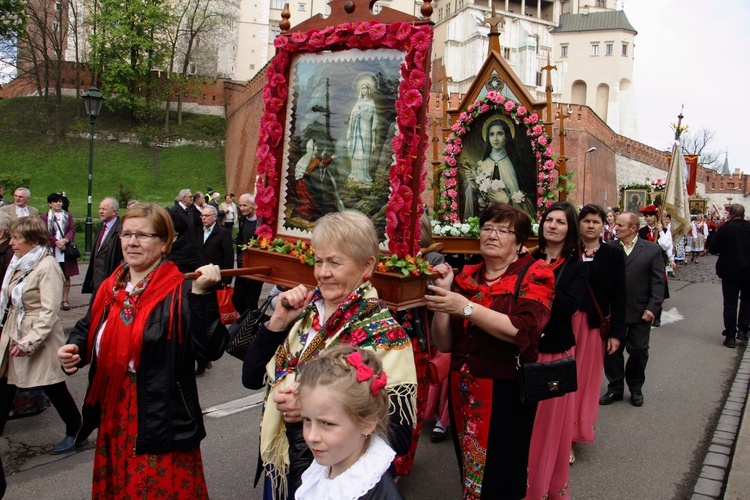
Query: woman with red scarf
142,336
485,318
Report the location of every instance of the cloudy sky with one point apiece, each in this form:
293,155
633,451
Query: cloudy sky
691,52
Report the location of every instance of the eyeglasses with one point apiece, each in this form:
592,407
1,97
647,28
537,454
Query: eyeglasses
126,235
501,231
208,215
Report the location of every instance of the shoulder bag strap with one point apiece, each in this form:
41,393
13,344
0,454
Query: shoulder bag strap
596,302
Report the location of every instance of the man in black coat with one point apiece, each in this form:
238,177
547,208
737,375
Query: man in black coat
644,292
246,291
216,246
183,208
732,243
106,253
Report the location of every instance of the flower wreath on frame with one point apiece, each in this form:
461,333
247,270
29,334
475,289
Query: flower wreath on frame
415,40
547,178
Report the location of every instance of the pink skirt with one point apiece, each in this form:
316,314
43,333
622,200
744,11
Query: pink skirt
549,455
589,353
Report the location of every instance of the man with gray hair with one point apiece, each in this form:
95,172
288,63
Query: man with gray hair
183,208
246,291
732,243
20,206
106,253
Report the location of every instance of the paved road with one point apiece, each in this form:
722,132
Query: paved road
653,452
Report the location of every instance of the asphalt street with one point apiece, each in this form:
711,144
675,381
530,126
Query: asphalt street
653,452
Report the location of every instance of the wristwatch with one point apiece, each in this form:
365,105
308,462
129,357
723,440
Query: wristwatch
468,310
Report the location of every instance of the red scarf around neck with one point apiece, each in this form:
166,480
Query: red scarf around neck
127,314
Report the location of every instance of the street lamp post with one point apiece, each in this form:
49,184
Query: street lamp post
93,101
585,157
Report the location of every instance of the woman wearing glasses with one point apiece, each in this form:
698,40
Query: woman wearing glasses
484,317
142,335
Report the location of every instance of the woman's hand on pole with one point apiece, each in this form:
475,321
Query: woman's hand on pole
210,275
292,302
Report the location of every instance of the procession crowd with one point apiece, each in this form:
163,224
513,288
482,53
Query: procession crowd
347,382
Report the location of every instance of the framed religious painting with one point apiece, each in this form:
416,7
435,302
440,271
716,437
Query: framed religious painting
634,199
697,206
343,126
497,152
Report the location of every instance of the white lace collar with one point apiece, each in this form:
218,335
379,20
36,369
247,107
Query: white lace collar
354,482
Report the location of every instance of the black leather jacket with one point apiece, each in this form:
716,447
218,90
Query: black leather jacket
169,412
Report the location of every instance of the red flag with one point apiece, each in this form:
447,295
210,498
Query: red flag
692,163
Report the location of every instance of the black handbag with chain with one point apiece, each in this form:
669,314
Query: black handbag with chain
540,381
243,331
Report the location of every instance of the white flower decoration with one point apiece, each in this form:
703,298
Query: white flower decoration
517,197
497,185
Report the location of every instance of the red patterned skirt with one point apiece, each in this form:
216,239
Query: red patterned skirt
120,473
494,431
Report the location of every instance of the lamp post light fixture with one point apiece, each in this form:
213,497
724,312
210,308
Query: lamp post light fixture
93,101
585,157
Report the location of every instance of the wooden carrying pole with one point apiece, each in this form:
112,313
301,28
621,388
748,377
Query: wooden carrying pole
240,271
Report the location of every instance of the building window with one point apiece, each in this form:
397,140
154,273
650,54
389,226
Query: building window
538,78
301,7
563,51
609,49
448,10
594,49
506,53
601,3
58,6
277,4
440,14
625,49
55,26
275,31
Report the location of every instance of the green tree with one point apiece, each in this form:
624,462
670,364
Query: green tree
127,46
12,25
199,26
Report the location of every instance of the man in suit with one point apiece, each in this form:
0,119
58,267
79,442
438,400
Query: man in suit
731,242
183,208
106,253
246,291
644,291
20,206
216,246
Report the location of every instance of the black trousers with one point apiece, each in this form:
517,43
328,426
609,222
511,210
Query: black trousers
246,294
637,337
58,395
736,288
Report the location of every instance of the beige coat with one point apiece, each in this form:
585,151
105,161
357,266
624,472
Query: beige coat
41,325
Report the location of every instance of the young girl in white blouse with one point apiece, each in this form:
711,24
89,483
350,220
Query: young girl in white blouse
344,409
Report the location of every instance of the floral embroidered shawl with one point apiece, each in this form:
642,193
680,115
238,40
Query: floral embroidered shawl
361,320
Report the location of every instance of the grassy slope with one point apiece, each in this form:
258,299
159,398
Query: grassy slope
153,173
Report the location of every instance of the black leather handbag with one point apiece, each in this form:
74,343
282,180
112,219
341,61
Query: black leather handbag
540,381
243,331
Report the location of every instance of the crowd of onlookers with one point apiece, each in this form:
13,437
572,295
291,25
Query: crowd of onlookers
346,380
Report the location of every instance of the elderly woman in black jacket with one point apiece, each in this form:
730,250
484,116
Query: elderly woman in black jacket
142,336
549,466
